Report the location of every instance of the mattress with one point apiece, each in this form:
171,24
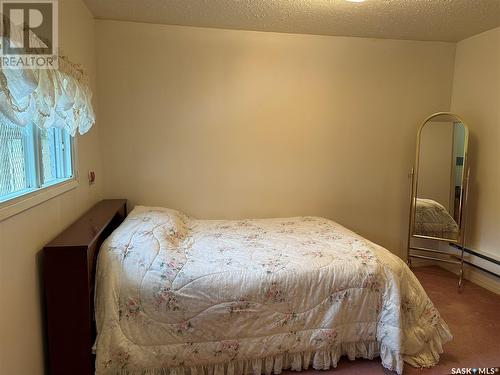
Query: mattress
176,295
433,220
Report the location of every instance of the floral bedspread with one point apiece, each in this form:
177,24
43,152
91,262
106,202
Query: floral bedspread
432,219
184,296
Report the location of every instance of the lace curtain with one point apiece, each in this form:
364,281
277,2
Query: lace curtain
47,98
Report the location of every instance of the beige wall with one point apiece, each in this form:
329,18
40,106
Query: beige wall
476,97
227,124
22,236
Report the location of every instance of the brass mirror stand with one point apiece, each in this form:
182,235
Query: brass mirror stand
417,198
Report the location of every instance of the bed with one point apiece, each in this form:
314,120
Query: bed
433,220
176,295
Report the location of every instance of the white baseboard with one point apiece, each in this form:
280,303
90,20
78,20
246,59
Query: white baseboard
487,280
476,276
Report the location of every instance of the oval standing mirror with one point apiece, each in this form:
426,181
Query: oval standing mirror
439,178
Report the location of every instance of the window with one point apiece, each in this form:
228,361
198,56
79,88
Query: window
32,159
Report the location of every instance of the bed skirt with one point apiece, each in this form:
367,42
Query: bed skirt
318,360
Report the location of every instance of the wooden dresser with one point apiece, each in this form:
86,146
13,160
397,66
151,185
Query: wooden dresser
69,272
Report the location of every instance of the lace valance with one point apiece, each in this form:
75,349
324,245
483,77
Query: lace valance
47,97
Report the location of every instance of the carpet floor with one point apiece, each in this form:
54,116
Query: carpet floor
474,320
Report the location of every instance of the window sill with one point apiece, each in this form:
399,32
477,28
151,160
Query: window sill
14,206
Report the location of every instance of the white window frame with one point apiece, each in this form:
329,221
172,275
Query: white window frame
28,198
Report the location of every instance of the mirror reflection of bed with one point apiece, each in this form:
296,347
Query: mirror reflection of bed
433,220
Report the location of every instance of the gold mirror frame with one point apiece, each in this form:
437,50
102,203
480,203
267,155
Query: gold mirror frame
455,119
439,254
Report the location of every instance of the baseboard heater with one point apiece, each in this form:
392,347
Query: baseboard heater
478,260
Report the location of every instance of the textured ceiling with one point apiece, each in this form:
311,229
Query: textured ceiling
442,20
